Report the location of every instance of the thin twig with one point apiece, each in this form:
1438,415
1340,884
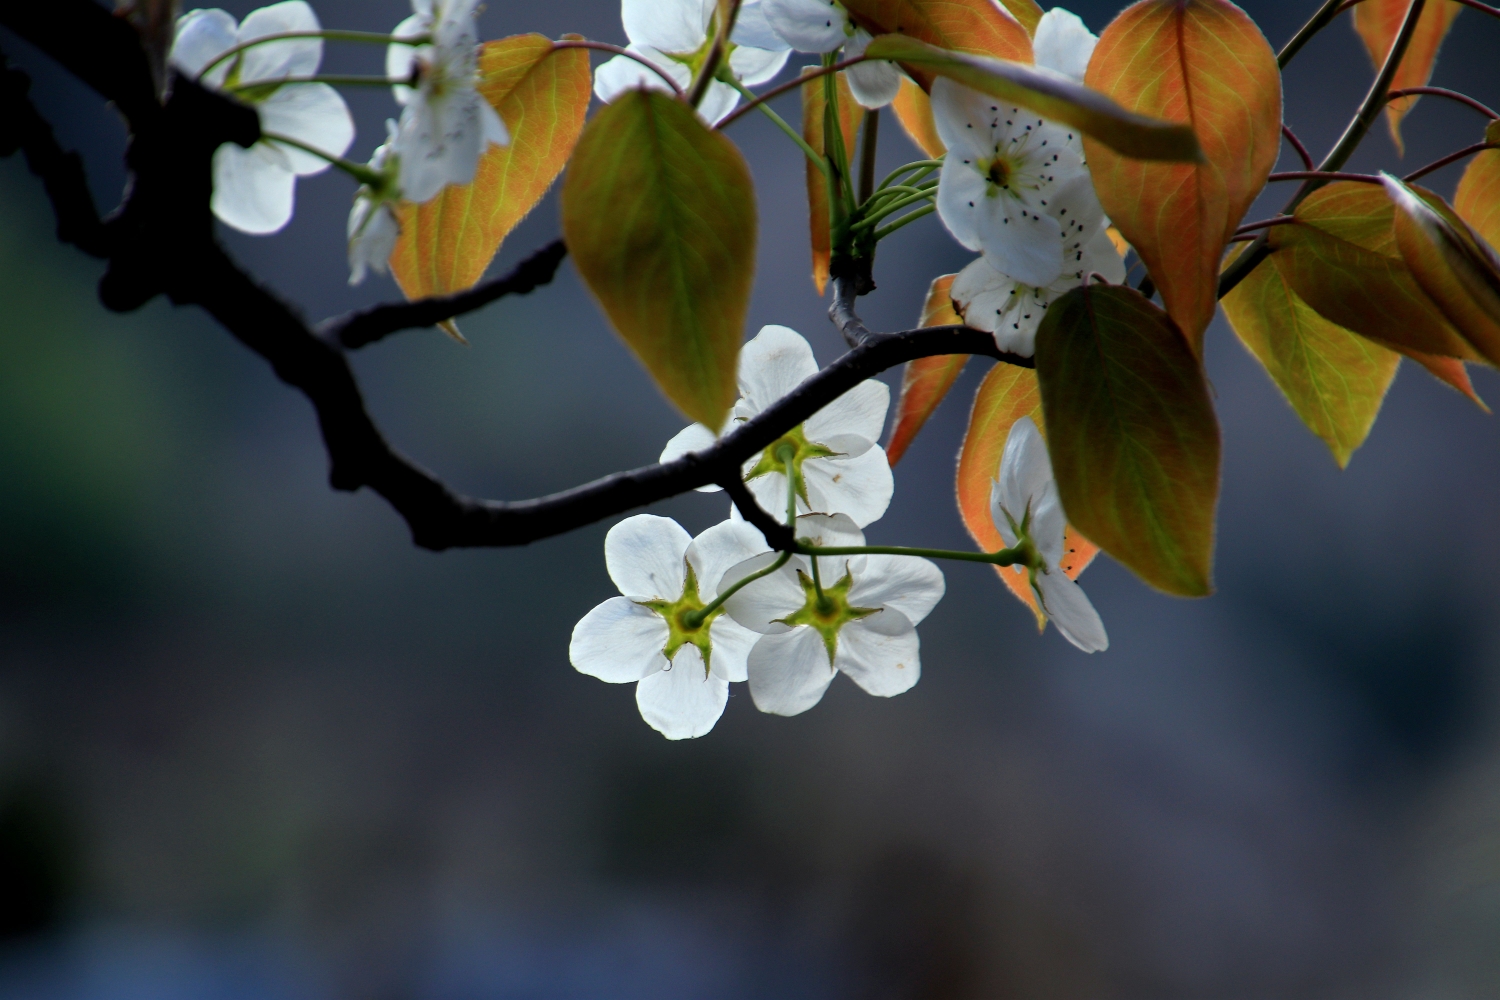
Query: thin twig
1296,144
811,73
1315,24
1251,227
710,66
356,330
1478,147
1326,176
1452,95
1483,8
620,50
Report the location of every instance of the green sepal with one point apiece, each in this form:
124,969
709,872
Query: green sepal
826,613
680,631
802,449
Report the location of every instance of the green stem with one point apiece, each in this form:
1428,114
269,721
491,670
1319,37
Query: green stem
909,217
833,143
925,167
1005,557
867,155
823,604
813,156
891,209
358,171
369,37
328,78
696,618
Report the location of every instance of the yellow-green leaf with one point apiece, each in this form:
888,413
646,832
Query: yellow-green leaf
1379,21
658,211
1477,200
1205,64
1028,12
1333,379
1049,95
926,380
542,93
914,110
1132,434
1006,395
851,114
1456,269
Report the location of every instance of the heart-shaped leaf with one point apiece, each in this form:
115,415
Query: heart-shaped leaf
1049,95
1379,21
814,109
1205,64
658,211
1334,380
926,380
542,93
1132,434
1006,395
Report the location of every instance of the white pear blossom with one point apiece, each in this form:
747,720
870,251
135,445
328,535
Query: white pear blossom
1063,43
681,671
1025,507
864,624
996,303
254,188
446,124
677,35
837,466
1003,168
373,227
825,26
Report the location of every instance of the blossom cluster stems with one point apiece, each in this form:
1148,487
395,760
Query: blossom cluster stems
1004,557
813,156
1354,133
358,171
366,37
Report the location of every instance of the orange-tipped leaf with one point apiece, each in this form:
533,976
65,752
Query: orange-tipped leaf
926,380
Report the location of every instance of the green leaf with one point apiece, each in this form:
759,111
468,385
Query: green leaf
1050,96
658,211
1335,380
1132,434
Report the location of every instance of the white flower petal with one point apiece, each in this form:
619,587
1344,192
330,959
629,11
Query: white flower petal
732,643
997,514
683,701
1025,469
440,142
884,661
679,26
619,642
808,25
789,672
718,100
1100,257
1071,611
772,364
753,30
399,59
693,437
492,126
718,549
860,487
961,117
1063,43
873,84
829,531
644,557
906,584
1047,524
620,74
769,491
253,188
289,57
753,65
372,238
312,113
758,605
203,36
858,413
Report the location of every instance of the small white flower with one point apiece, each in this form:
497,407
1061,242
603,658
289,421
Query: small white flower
837,464
676,35
824,26
373,227
1003,168
864,624
1063,44
446,124
996,303
1025,507
254,188
681,671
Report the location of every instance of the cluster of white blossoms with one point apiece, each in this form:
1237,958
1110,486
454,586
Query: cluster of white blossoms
444,128
1016,188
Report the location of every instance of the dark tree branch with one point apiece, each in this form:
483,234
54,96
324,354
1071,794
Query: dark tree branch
161,242
841,312
355,330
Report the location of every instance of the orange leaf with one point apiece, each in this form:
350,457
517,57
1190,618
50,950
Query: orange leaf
1477,200
1202,62
926,380
1028,12
1379,21
980,27
543,95
850,115
1006,395
914,110
1450,371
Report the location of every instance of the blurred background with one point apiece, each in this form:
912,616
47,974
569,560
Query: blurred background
254,744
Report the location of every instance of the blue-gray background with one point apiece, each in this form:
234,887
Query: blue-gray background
255,744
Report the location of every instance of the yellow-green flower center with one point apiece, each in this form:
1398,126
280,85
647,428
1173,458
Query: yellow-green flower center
786,455
826,612
680,617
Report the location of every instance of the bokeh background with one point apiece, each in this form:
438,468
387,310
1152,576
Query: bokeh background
254,744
